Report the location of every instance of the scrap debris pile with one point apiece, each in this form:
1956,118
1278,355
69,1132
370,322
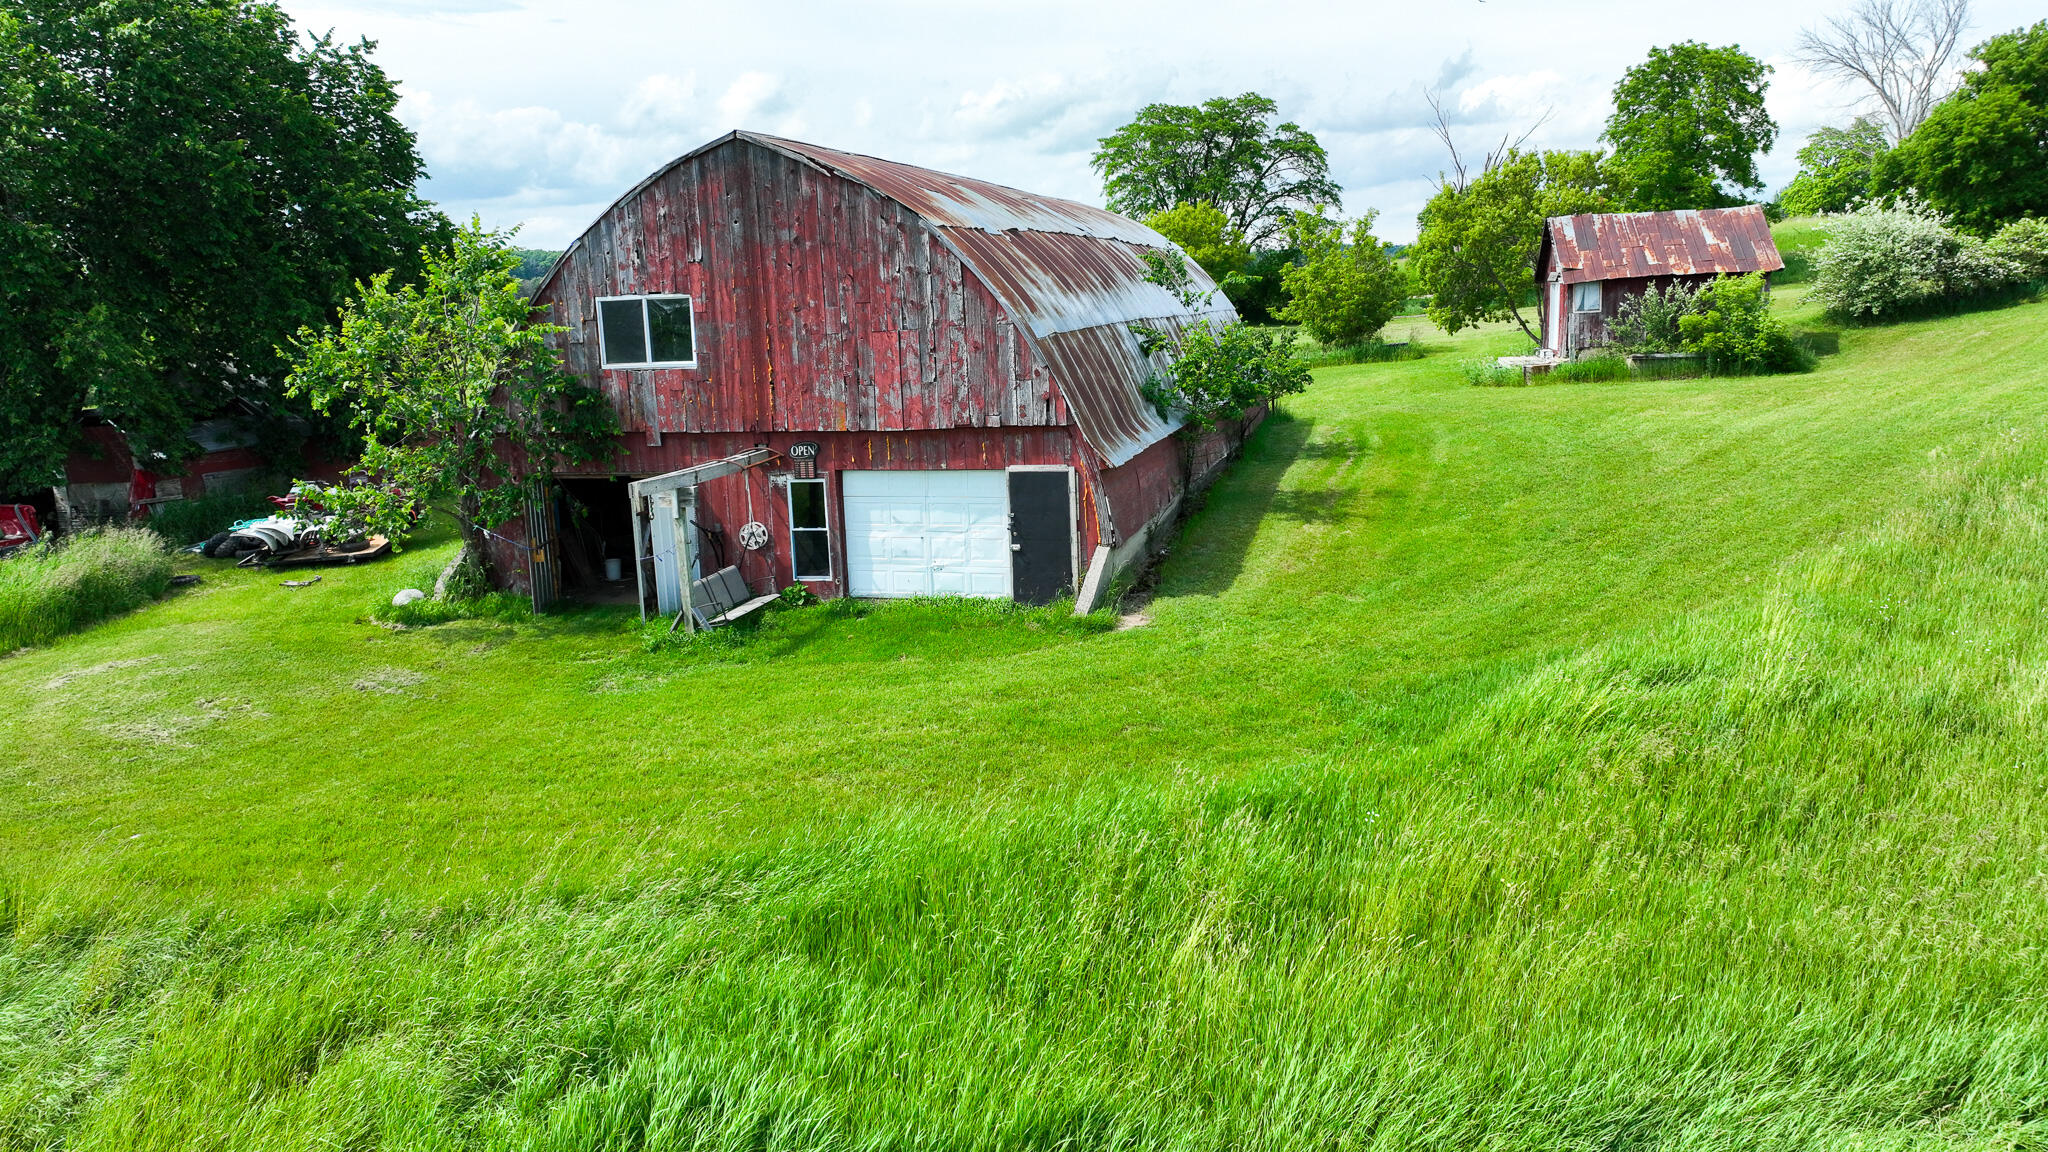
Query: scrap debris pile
302,534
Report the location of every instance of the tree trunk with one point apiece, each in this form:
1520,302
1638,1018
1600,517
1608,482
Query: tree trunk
474,541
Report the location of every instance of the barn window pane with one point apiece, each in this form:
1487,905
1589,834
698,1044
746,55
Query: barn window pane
1586,297
668,325
623,328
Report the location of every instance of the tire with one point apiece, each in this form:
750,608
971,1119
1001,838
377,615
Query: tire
215,546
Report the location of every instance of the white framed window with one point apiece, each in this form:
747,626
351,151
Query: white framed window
646,332
1586,297
810,531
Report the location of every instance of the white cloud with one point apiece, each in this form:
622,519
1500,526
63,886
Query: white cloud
755,100
597,97
664,101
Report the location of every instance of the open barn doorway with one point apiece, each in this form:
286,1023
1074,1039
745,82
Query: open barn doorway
596,544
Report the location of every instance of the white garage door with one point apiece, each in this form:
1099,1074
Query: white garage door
927,533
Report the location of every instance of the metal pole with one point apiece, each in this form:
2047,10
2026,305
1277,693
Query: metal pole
686,514
639,551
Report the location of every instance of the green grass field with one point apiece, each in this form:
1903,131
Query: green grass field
1590,766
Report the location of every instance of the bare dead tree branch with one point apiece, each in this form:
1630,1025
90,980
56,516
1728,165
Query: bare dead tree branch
1441,126
1902,51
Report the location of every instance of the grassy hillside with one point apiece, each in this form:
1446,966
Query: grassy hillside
1586,766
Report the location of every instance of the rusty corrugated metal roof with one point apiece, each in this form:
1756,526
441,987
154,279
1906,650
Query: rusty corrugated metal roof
1070,273
1629,245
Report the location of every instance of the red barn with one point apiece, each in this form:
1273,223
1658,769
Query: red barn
864,377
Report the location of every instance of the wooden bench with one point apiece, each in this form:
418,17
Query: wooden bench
723,597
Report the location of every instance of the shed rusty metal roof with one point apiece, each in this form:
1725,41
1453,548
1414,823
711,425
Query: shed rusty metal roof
1630,245
1070,274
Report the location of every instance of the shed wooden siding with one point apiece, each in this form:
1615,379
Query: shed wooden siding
819,305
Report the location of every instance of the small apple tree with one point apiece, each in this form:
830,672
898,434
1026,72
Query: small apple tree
460,403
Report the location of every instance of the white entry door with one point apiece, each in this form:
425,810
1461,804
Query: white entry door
927,533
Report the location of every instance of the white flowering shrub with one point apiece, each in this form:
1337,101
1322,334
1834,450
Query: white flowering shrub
1883,260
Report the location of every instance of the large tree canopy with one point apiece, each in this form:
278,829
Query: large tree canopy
188,182
1982,154
1227,152
1687,120
1476,254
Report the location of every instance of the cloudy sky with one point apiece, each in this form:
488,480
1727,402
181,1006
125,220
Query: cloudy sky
541,112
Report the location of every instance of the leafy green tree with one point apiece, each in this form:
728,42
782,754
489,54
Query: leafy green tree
1346,288
1476,254
1206,235
1261,291
1837,168
1225,152
1687,120
459,400
187,183
1212,372
1220,372
1982,155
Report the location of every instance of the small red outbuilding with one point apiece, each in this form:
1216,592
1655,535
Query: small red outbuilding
919,384
1589,265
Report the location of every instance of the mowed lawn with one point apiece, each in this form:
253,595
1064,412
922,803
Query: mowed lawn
1587,766
1394,527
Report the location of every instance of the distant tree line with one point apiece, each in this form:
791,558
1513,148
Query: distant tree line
1250,198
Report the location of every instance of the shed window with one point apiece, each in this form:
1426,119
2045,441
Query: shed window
1586,297
809,530
647,331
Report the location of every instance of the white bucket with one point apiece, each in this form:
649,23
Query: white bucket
614,570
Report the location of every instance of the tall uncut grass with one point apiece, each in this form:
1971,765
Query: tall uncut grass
1765,876
53,589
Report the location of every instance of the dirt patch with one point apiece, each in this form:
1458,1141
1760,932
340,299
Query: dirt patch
389,681
80,673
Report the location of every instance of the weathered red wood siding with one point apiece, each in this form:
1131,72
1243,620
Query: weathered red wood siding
820,306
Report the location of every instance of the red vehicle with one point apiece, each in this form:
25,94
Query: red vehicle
18,527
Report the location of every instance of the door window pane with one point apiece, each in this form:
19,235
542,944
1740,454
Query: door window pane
668,324
807,504
624,336
813,555
810,540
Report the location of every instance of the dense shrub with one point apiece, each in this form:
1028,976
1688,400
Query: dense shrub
56,588
1649,322
2023,244
1733,328
1884,261
190,521
1490,374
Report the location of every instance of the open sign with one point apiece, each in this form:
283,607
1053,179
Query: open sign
803,458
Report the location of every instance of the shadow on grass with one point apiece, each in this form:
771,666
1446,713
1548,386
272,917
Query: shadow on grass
1209,551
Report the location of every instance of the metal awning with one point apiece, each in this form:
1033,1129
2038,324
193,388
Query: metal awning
674,494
